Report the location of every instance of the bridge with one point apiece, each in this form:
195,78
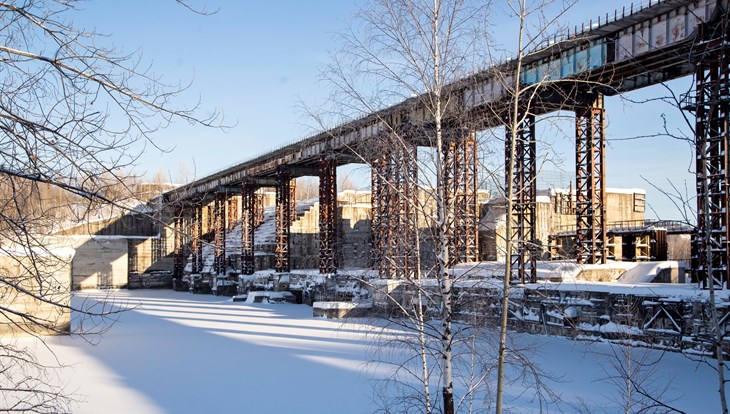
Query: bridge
622,51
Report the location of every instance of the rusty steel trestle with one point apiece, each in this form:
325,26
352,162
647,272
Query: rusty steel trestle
283,219
327,215
590,178
710,259
219,233
395,213
524,196
460,180
248,223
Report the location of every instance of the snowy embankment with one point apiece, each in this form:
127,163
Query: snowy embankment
174,352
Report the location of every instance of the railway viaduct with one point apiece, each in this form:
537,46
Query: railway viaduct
622,51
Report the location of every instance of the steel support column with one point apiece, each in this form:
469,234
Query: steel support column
327,215
283,219
219,234
712,134
179,258
248,224
395,213
590,177
460,177
524,197
197,242
292,200
376,212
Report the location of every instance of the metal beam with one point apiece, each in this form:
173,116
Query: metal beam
303,171
395,213
712,143
248,224
219,234
283,220
179,258
197,242
590,178
327,215
459,155
524,197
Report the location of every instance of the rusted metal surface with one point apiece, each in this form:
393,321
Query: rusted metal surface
283,219
292,198
248,224
524,197
197,236
712,115
590,178
395,212
179,253
219,233
460,178
327,215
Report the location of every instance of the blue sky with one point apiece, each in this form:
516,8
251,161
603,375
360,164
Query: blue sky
256,60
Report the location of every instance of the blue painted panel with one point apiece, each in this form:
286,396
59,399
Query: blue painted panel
529,76
567,64
597,55
581,61
552,69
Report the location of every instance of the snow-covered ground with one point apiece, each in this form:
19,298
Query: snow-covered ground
175,352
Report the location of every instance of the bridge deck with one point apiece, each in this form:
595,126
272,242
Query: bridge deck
627,51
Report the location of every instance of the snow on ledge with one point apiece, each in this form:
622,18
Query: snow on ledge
333,305
341,305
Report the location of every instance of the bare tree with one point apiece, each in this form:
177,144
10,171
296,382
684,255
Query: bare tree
396,50
73,114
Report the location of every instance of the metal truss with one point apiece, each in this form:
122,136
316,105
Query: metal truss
283,219
248,224
292,200
208,232
219,233
712,115
327,215
590,178
179,257
395,212
197,242
523,236
376,212
460,182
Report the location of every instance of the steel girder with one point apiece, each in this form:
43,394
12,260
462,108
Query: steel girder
524,197
248,224
219,233
460,180
283,219
395,212
590,178
712,135
327,215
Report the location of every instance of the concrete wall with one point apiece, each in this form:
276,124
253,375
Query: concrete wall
100,263
304,240
555,213
55,275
